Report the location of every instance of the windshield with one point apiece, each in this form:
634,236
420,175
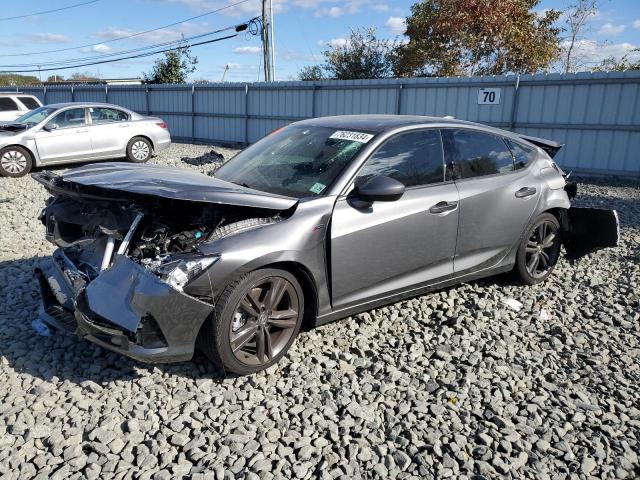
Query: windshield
35,116
297,161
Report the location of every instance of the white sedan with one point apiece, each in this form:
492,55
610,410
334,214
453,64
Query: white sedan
78,132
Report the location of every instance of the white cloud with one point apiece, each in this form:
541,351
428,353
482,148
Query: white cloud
381,7
330,12
100,48
611,29
159,36
346,7
590,52
49,38
248,50
243,10
334,42
636,23
396,25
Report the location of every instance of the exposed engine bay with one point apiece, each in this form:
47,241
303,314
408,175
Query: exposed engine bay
155,232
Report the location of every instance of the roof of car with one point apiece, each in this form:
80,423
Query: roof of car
84,104
15,94
381,123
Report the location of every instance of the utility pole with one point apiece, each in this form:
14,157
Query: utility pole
267,40
273,42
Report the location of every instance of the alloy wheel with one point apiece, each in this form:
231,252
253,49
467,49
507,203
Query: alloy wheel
140,150
542,249
264,321
13,161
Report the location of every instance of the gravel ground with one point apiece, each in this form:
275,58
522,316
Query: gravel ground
453,384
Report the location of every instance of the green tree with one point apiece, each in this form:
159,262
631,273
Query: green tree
311,72
13,79
612,64
173,68
362,56
83,77
478,37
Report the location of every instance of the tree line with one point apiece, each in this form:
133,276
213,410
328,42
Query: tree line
469,37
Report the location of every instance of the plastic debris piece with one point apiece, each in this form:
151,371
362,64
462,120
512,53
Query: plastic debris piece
41,328
513,304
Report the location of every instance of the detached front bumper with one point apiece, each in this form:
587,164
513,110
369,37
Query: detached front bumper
585,230
126,309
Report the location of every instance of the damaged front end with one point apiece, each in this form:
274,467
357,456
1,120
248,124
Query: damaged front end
125,257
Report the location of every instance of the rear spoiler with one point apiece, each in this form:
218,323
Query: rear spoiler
548,146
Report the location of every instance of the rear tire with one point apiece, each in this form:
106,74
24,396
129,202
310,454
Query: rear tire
139,150
15,162
255,321
539,250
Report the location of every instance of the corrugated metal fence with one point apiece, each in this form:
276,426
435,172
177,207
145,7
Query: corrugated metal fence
596,115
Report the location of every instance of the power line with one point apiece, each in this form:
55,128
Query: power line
125,52
49,11
127,36
141,55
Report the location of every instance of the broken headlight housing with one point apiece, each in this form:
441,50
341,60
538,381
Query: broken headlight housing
178,273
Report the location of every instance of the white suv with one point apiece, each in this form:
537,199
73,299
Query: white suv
14,105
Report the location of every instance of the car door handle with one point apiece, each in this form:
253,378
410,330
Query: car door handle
82,131
443,207
526,192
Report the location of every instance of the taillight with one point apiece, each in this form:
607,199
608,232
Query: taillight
162,125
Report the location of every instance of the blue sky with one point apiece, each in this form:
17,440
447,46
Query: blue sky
303,28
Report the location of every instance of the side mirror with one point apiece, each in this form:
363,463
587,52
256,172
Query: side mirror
380,189
51,126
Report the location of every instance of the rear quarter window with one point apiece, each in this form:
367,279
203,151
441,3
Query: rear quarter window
7,104
29,102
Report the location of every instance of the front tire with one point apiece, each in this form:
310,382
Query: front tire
15,162
255,321
539,250
139,150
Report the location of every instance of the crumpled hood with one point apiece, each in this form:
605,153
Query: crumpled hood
174,183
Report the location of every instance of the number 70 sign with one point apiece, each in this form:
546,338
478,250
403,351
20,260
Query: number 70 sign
489,96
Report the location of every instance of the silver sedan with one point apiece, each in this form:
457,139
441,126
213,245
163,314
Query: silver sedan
78,132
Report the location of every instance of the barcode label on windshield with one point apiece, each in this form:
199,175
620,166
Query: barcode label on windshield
353,136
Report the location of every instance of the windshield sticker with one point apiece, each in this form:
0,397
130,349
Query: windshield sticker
317,188
353,136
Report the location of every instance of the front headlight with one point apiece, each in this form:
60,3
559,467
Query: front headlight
180,272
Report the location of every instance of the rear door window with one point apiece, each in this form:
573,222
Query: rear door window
107,115
7,104
29,102
476,154
413,158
